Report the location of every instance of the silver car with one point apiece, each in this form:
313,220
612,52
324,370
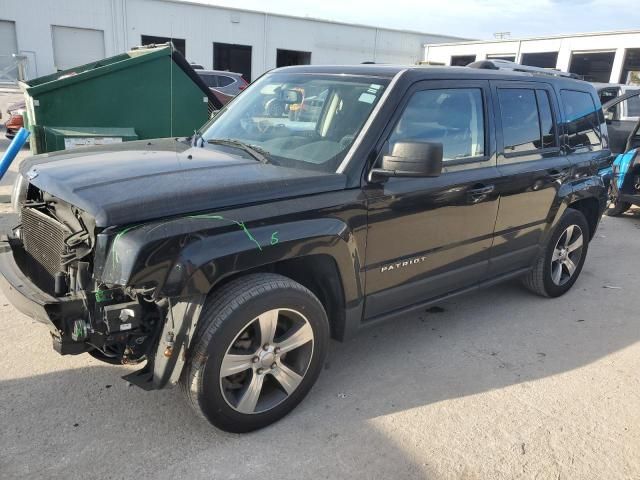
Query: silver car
229,83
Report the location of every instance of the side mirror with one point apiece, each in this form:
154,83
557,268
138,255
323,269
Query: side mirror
411,159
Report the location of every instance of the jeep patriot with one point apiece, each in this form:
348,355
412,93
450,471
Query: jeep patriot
226,261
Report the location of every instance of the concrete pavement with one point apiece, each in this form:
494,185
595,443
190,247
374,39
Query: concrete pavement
498,385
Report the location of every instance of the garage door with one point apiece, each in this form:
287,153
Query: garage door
8,46
76,46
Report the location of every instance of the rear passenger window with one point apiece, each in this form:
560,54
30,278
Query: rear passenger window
209,80
223,81
527,120
520,122
583,120
453,117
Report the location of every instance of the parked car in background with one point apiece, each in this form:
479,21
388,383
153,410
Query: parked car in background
624,174
229,83
15,121
621,115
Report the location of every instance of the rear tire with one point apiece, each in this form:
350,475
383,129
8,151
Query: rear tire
260,345
559,264
617,208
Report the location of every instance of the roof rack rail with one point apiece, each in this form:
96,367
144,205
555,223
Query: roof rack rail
496,64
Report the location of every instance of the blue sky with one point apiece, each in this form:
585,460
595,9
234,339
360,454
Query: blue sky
464,18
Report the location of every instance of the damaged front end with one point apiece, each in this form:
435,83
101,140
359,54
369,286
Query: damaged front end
47,269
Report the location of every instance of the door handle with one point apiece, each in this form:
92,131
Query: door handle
480,192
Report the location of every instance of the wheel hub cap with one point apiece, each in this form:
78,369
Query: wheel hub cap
266,358
267,361
566,255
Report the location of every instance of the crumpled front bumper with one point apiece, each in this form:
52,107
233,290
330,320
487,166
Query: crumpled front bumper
24,295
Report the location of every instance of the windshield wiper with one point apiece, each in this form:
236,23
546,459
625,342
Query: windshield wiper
256,152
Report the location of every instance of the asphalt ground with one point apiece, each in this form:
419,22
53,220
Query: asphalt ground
500,384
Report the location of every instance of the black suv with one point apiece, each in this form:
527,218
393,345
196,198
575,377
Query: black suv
226,261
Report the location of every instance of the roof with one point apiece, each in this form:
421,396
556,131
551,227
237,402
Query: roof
426,72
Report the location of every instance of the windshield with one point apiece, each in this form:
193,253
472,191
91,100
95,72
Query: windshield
298,120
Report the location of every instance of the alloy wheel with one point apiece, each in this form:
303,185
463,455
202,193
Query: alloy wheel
566,255
267,361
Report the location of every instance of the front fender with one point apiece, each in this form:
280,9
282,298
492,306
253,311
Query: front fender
187,256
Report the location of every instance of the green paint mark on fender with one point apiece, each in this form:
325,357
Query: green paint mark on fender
114,256
239,224
274,238
114,253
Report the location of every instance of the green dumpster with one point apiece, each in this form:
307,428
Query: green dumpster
67,138
151,92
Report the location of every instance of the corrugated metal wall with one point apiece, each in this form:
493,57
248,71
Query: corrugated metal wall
124,21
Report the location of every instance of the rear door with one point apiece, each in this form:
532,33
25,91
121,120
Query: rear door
532,167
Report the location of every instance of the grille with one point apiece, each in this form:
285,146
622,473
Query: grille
43,239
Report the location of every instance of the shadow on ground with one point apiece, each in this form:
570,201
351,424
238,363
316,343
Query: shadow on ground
85,415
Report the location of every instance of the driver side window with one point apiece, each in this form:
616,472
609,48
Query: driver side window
451,116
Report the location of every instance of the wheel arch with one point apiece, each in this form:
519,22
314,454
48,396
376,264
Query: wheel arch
317,272
590,208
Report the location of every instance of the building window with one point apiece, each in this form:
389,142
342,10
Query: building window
583,124
178,43
631,67
287,58
232,58
540,59
593,67
462,60
76,46
508,58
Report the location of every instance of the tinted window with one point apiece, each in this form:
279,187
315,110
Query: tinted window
209,80
453,117
633,107
546,119
583,123
223,80
520,122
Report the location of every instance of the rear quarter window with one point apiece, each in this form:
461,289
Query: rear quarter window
223,80
583,119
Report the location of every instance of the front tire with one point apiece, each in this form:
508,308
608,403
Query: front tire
260,346
560,263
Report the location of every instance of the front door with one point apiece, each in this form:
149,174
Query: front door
623,115
430,236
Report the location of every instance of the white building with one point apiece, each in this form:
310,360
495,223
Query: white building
598,57
59,34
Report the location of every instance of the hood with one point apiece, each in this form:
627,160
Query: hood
120,186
